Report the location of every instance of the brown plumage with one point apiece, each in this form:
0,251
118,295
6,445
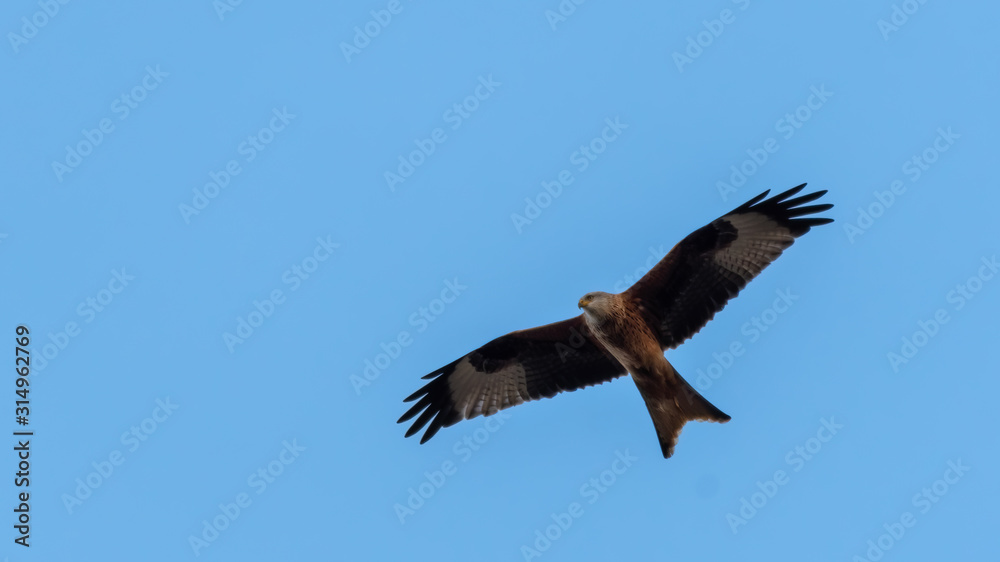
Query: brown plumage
626,332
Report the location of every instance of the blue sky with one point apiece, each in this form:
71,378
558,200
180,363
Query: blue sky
217,218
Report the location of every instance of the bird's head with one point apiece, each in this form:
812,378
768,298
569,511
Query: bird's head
595,303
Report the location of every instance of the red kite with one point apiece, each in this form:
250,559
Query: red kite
625,333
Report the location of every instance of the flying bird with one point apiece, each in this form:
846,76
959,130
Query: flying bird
625,333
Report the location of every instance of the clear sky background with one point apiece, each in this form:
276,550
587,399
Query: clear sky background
203,230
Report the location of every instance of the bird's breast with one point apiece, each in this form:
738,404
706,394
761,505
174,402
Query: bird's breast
624,333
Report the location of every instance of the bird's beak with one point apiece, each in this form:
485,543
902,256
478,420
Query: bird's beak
583,302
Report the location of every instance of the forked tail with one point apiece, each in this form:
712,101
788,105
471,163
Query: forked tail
672,402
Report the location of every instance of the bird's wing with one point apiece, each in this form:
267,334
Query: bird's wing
711,265
512,369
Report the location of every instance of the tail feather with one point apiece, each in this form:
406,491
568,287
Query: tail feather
672,402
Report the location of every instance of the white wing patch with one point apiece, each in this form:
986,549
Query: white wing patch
759,241
476,393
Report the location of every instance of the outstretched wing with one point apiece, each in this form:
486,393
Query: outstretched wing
711,265
510,370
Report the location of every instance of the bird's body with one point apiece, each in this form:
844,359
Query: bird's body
619,326
625,333
617,323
